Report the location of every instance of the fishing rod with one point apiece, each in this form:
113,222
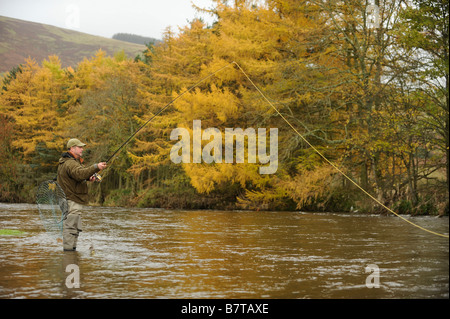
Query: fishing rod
164,108
290,125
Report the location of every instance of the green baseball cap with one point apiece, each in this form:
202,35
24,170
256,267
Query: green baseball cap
74,142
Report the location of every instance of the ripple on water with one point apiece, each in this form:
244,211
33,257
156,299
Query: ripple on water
142,253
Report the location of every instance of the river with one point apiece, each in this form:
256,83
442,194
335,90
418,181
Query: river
155,253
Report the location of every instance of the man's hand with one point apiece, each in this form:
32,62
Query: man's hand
95,178
101,165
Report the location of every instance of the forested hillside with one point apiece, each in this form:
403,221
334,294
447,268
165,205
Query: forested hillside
372,97
134,38
21,39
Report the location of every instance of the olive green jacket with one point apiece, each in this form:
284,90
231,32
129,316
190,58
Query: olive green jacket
73,176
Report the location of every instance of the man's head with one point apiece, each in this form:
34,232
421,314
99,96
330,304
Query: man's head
75,147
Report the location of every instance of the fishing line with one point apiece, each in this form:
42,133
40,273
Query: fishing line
290,125
332,164
165,107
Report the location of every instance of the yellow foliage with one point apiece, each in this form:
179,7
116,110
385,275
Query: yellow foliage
218,105
32,103
319,70
309,185
204,178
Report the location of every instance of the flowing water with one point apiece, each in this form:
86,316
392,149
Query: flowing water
154,253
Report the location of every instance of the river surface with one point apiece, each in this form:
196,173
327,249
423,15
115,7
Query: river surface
155,253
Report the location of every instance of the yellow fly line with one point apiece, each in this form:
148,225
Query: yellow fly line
331,163
293,128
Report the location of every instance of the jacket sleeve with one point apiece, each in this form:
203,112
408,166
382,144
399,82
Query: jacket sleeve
80,173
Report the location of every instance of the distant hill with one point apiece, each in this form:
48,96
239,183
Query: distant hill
133,38
21,39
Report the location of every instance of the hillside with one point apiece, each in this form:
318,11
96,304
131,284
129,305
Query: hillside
134,38
21,39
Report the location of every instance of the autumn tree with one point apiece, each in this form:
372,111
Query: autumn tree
109,102
32,100
365,83
8,169
423,31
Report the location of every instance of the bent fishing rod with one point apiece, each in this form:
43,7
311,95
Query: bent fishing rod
291,126
164,108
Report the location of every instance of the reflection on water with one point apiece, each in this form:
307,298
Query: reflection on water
151,253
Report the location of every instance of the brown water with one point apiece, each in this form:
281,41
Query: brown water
151,253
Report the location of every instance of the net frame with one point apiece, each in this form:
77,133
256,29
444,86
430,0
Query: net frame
53,207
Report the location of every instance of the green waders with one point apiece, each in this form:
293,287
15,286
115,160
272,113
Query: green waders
72,226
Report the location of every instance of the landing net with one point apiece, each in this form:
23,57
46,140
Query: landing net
52,205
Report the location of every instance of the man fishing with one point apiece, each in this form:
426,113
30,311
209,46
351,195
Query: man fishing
73,177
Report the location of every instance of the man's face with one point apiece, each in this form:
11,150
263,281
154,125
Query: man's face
77,151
